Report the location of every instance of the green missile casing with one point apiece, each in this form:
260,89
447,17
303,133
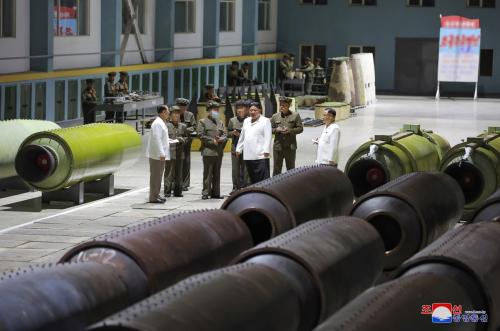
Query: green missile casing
60,158
475,165
12,134
387,157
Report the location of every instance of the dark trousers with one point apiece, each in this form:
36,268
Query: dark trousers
211,175
284,154
173,177
239,171
156,168
258,170
186,165
88,114
110,116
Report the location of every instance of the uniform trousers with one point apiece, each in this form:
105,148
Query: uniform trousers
211,175
286,154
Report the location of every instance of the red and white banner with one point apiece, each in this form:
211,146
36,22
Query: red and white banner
459,49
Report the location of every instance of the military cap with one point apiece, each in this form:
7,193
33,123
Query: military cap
212,104
242,103
175,109
123,73
112,73
285,99
181,102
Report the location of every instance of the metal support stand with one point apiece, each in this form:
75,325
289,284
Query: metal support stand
76,193
131,21
14,183
437,93
104,186
73,194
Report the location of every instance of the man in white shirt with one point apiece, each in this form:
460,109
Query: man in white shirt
158,151
255,143
328,143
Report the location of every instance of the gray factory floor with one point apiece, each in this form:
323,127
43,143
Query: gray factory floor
32,233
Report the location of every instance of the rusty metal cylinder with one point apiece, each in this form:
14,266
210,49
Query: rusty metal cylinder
273,293
65,296
398,305
410,212
173,247
474,249
280,203
489,210
344,256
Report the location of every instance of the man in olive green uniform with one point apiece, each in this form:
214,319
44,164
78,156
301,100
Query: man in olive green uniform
189,120
232,74
239,171
213,138
122,88
89,102
286,125
283,69
110,92
173,167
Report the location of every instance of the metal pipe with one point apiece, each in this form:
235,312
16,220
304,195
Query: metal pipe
410,212
282,202
65,296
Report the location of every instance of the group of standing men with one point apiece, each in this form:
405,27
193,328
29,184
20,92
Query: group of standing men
310,70
250,132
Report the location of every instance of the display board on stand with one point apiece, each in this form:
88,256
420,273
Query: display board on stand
459,51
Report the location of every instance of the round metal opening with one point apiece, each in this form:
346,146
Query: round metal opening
259,225
389,229
366,175
35,163
470,179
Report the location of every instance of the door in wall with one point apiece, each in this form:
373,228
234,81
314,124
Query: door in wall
416,66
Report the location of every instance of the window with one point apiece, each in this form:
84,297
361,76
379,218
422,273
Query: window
145,82
10,102
185,83
264,15
140,12
25,101
40,101
177,83
314,2
226,15
156,82
164,85
313,52
184,16
60,100
73,99
481,3
486,63
194,82
361,49
421,3
7,18
71,17
363,2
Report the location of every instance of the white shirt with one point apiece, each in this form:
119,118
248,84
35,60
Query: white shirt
158,142
328,145
255,138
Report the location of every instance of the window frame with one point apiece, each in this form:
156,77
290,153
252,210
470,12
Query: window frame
229,12
362,49
363,3
420,4
267,15
313,2
14,21
87,20
481,4
187,17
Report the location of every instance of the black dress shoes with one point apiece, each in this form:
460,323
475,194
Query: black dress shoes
180,195
204,197
217,197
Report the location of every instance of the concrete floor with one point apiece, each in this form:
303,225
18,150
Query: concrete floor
35,233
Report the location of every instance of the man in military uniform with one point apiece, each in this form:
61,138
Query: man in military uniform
110,92
122,88
244,74
173,167
189,120
210,95
308,70
286,125
283,69
213,138
239,172
232,74
89,102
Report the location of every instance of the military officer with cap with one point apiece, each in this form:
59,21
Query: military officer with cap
122,85
213,139
89,102
234,126
189,120
173,180
210,94
286,125
110,92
